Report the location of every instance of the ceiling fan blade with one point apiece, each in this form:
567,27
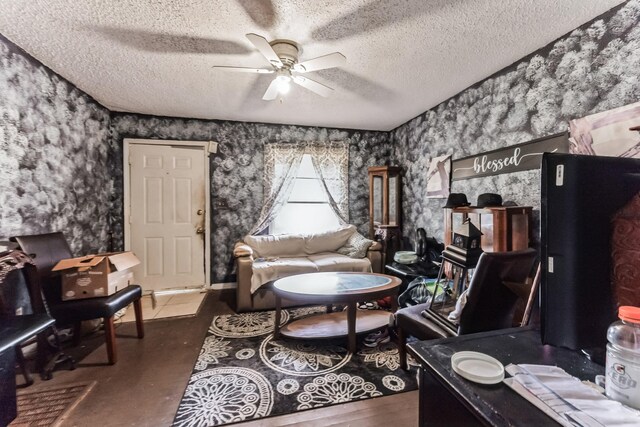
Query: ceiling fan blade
151,41
332,60
261,12
265,49
313,86
244,69
272,91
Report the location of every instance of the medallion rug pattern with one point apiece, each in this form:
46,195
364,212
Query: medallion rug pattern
243,373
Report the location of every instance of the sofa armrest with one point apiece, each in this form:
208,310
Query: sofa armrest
244,271
377,246
241,249
375,256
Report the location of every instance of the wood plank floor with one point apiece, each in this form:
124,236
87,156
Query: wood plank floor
397,410
145,387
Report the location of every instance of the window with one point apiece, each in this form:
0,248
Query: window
307,210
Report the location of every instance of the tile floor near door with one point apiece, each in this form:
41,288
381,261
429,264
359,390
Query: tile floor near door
145,387
168,305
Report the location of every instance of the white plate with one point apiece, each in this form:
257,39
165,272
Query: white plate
477,367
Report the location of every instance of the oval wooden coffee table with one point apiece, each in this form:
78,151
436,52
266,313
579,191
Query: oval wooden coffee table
334,288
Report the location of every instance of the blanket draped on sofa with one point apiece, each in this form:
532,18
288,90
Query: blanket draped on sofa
261,260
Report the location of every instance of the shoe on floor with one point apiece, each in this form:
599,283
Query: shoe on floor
372,305
380,337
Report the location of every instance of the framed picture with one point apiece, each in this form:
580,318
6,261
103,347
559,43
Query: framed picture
607,133
439,177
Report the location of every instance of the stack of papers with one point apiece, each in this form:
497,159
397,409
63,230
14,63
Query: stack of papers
566,399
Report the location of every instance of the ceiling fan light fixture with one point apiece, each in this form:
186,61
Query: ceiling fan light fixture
283,56
284,83
284,88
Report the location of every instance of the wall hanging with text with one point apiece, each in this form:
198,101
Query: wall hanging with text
510,159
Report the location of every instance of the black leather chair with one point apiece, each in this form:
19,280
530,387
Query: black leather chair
20,296
46,250
491,300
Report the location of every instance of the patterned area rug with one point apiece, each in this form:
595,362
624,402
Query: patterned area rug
49,406
242,373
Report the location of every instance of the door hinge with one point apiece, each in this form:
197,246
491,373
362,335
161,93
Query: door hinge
130,219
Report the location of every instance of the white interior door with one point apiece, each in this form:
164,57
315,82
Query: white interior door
167,215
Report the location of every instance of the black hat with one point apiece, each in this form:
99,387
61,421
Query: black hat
456,200
489,199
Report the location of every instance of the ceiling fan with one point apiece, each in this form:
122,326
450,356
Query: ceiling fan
283,57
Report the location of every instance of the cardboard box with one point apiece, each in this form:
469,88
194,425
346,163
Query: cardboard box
96,275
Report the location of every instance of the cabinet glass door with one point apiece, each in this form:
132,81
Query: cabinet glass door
377,200
393,200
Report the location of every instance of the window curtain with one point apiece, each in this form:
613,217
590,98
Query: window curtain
281,164
331,163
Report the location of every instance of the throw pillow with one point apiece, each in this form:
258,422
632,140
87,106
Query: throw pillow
281,245
327,241
356,246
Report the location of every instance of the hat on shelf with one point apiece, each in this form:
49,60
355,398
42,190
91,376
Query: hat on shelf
487,200
456,200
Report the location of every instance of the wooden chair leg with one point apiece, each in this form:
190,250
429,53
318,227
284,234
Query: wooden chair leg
77,332
23,367
402,348
137,307
110,336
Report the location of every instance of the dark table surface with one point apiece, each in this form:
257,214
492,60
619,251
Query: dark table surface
498,405
16,329
418,269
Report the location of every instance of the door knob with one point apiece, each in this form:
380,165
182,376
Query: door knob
200,230
200,211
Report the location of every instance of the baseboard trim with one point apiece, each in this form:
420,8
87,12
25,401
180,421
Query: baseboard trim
223,285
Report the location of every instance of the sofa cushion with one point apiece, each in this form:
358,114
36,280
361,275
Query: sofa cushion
327,241
337,262
282,245
267,271
356,246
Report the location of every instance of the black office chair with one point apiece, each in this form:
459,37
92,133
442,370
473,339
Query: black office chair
20,295
491,300
46,250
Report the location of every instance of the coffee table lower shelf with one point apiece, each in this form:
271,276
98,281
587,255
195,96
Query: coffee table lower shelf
334,325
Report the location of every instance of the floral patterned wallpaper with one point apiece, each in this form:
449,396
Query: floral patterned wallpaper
236,171
61,152
53,155
594,68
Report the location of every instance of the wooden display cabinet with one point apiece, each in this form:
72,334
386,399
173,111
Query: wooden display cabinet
385,204
384,197
504,228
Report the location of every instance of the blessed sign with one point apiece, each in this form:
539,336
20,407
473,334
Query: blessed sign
510,159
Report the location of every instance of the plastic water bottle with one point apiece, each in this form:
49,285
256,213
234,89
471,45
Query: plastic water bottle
623,358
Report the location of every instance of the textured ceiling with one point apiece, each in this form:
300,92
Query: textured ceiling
403,56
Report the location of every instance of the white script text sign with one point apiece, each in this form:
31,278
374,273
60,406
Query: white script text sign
510,159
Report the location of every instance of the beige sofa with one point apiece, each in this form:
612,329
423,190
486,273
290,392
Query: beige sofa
260,260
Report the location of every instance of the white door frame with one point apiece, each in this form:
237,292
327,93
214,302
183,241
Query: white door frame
205,147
